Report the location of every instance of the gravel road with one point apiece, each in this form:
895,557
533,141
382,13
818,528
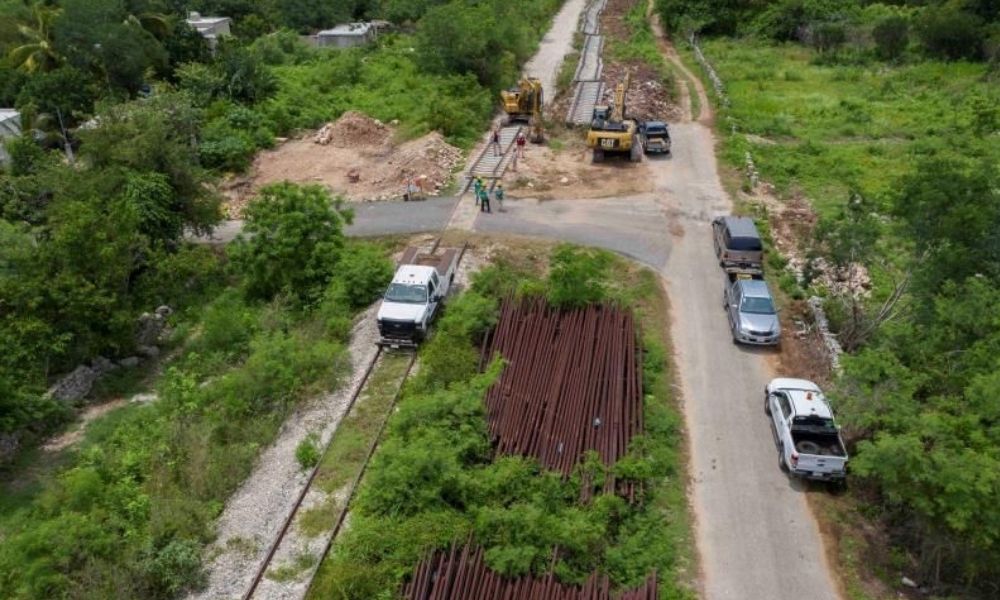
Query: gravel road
556,44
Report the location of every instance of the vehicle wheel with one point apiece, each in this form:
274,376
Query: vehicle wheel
807,447
837,486
767,405
725,303
781,460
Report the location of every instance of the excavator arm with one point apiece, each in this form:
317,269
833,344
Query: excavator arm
620,92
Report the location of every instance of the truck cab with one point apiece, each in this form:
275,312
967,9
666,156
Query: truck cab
655,137
414,296
805,433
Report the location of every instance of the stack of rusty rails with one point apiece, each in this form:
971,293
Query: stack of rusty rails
461,574
572,383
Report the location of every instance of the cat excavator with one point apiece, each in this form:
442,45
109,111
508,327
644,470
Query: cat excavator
524,103
610,132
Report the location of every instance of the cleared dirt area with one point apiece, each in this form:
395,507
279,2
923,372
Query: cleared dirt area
357,157
563,170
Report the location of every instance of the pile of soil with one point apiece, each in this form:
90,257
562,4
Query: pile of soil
648,99
354,130
356,157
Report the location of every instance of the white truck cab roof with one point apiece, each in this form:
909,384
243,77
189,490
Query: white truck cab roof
413,275
805,396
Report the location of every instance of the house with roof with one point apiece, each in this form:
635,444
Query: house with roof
211,28
347,35
10,127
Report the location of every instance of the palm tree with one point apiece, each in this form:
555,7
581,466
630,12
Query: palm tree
156,24
38,53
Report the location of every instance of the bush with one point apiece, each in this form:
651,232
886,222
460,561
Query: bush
891,35
307,453
294,244
578,276
950,33
361,276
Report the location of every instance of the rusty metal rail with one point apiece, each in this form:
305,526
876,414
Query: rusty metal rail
572,384
462,574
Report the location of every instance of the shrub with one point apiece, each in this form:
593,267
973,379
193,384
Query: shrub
361,276
891,35
950,33
578,276
307,453
294,244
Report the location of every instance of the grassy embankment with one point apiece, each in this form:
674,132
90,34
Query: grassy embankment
820,130
432,480
129,508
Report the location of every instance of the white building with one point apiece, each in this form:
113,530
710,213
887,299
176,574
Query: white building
348,35
10,127
211,28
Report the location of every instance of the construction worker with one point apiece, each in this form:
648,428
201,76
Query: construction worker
498,194
495,142
484,201
521,141
477,187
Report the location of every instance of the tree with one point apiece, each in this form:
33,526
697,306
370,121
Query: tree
891,35
38,53
577,276
293,243
65,93
951,211
950,33
156,135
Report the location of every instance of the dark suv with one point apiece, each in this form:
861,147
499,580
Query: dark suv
738,245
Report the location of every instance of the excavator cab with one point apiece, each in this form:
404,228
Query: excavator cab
611,132
524,103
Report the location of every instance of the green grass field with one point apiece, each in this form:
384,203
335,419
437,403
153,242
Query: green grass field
821,130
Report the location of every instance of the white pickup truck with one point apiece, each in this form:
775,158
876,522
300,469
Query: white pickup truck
413,297
808,439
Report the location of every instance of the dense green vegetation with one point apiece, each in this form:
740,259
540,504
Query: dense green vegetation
129,514
130,116
884,117
433,481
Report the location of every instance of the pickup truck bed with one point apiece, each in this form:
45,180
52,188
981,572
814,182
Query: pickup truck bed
441,262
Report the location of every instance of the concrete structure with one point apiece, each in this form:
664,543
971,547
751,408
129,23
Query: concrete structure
348,35
211,28
10,127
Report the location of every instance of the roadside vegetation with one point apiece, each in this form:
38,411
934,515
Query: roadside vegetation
129,119
434,479
131,510
884,119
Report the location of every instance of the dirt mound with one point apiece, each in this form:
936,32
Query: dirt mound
356,157
354,130
648,98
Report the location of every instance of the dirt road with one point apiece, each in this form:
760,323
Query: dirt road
757,538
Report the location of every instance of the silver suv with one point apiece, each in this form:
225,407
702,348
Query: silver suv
753,318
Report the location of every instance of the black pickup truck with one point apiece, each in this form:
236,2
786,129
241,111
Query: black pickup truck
655,137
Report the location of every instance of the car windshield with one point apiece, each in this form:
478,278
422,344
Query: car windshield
656,130
745,244
757,306
401,292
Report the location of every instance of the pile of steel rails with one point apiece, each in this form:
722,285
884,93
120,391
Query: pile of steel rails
572,383
461,574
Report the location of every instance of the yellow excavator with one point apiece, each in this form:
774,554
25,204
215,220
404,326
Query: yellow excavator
610,132
524,103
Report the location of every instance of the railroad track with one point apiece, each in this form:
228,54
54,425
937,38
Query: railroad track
586,97
590,66
290,519
489,165
592,18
